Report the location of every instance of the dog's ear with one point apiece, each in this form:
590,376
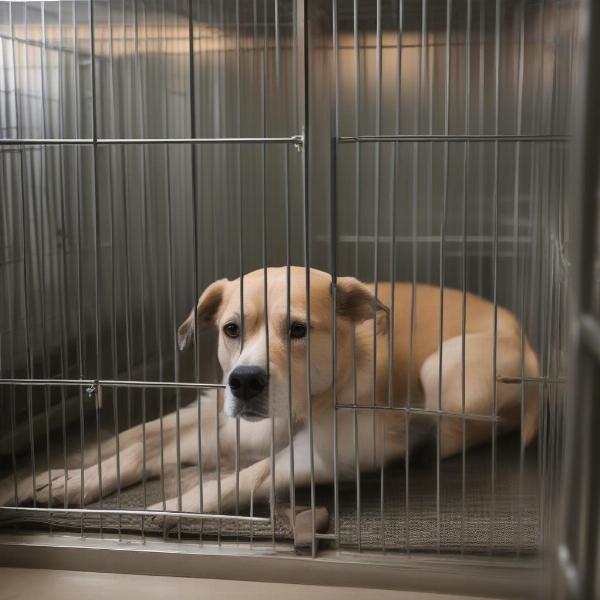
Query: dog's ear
206,310
355,301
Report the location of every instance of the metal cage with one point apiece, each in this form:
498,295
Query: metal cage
150,147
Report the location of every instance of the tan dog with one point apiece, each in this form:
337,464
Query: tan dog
258,378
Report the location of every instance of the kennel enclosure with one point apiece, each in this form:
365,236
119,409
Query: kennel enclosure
150,147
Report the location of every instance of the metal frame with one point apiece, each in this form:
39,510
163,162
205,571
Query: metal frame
577,548
303,141
267,563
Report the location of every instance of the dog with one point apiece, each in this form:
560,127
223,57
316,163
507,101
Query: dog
279,412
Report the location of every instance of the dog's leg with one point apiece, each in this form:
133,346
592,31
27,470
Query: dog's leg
69,488
25,488
130,467
116,471
255,482
478,392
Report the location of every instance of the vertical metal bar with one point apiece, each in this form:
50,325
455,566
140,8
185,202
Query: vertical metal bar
264,251
550,185
241,233
125,126
78,219
63,294
114,262
96,248
377,192
207,68
428,75
545,455
429,81
335,125
7,188
173,320
495,267
62,263
376,226
535,167
192,84
464,272
24,223
143,242
394,192
442,270
12,319
288,234
413,303
277,46
295,60
152,274
13,427
516,234
171,282
357,165
43,267
481,158
255,62
304,39
165,118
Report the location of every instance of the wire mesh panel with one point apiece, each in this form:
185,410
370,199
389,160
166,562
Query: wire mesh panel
451,116
109,239
153,147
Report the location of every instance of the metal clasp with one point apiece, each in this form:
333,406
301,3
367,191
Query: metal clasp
94,391
299,141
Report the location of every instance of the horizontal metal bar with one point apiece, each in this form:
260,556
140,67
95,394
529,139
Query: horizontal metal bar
175,384
296,140
111,383
454,138
426,239
134,513
590,334
540,380
421,411
465,576
160,384
48,382
326,536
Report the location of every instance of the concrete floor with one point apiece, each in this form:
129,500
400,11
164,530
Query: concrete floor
34,584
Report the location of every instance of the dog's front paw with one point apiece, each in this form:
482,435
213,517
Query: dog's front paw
36,488
57,488
190,503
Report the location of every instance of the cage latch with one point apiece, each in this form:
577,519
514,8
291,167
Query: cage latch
94,392
298,141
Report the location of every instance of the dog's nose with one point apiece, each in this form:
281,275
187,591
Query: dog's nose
247,382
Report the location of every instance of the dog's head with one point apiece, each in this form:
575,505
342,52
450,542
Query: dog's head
258,374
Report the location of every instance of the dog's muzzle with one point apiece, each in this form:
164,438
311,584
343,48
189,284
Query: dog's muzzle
247,385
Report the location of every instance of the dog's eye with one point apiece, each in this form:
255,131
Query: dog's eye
231,330
297,330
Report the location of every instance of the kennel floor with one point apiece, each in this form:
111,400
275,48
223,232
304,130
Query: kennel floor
480,506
